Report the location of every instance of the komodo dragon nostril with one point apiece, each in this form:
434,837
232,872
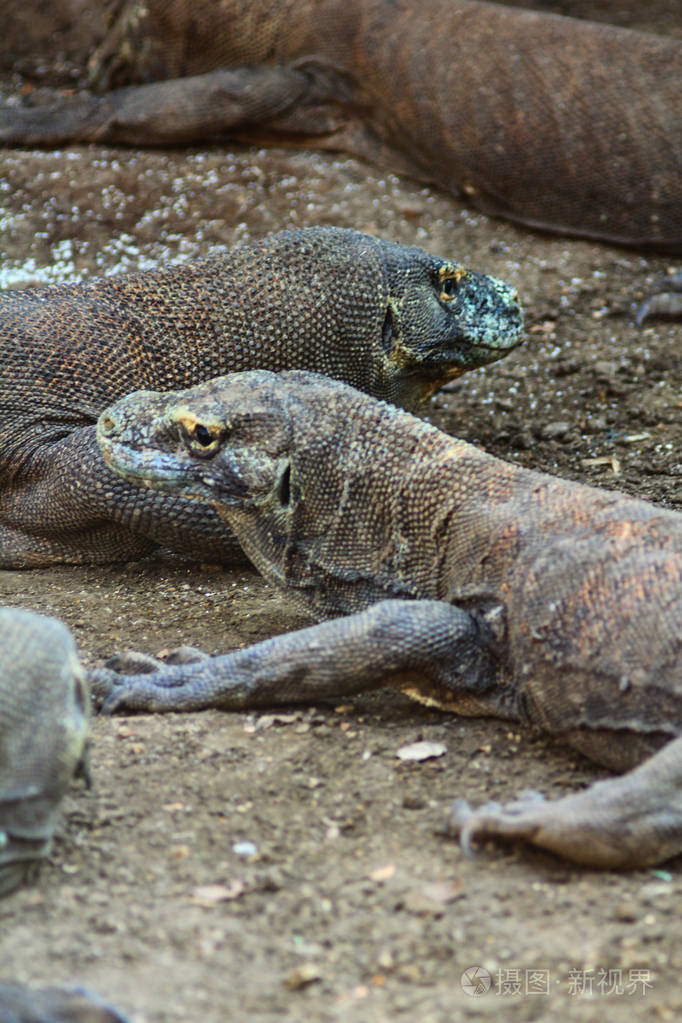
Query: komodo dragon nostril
107,425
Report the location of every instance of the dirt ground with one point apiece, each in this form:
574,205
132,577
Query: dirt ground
288,865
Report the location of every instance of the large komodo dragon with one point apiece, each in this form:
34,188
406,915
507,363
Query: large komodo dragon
549,121
44,729
528,598
391,320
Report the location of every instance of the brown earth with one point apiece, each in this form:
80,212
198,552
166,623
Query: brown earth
349,904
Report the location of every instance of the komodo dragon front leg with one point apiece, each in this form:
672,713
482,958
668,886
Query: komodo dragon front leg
389,319
174,112
469,583
44,728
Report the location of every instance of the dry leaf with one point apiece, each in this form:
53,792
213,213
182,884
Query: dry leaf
306,974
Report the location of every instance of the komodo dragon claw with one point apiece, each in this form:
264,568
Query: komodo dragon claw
620,822
109,690
665,300
132,662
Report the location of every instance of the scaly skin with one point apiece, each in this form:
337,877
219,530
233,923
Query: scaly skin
44,727
552,122
391,320
469,583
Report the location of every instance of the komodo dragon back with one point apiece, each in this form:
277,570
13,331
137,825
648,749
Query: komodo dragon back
549,121
44,726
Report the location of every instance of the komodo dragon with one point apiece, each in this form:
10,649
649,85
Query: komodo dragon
549,121
527,597
388,319
20,1004
44,728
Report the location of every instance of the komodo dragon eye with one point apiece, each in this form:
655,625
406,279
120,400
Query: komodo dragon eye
202,440
203,436
449,277
448,288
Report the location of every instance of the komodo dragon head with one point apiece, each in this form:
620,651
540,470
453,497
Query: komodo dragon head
318,481
440,320
391,320
44,728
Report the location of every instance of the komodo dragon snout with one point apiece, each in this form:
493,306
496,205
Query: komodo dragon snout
442,320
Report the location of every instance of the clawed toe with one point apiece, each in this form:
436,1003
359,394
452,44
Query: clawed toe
665,300
132,662
183,655
101,683
492,819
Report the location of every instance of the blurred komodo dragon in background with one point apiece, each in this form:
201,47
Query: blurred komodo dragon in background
19,1004
553,122
44,729
525,597
391,320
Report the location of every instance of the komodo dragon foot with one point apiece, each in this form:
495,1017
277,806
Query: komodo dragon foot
633,820
665,300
